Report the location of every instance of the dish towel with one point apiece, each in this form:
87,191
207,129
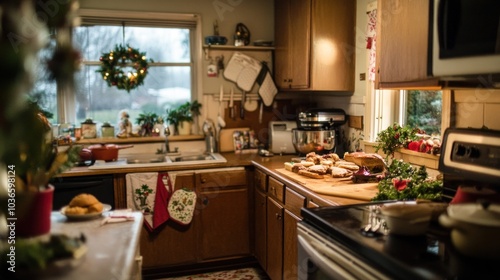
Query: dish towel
149,193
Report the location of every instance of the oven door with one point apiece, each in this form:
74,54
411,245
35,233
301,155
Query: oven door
320,257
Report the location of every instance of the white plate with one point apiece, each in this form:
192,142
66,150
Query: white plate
105,207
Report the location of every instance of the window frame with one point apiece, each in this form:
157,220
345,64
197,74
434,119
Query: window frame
66,99
398,99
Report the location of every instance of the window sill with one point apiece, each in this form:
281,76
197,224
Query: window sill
417,158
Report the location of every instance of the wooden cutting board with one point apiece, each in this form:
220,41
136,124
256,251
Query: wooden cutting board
334,186
226,138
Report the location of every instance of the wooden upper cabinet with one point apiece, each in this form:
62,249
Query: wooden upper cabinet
402,39
315,44
292,43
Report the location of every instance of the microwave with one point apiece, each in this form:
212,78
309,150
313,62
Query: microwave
464,40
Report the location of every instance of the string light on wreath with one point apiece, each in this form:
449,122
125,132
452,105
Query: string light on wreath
114,62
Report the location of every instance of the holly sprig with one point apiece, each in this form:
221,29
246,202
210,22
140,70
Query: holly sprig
406,182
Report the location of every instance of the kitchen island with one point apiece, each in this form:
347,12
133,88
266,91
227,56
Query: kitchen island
112,249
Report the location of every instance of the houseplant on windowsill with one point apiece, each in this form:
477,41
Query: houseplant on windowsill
183,117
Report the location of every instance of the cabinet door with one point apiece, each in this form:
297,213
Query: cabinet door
402,30
171,243
292,43
260,206
224,215
290,258
274,239
333,47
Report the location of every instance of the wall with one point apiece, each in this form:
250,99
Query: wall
476,108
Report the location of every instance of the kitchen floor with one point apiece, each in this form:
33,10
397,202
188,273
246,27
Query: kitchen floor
247,273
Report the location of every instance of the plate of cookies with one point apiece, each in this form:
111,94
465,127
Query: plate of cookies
84,207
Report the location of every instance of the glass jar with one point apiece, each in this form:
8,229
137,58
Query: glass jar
89,130
107,130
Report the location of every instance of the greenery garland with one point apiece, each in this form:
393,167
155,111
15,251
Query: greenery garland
112,65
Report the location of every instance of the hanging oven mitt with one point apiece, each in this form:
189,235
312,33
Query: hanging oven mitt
181,206
267,89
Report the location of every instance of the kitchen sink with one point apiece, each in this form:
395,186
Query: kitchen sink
155,160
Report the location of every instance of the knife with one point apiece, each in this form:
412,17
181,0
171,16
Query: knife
242,109
231,104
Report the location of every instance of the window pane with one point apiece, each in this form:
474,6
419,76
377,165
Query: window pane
424,110
45,90
169,44
163,88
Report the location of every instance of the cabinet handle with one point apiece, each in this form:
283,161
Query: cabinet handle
203,180
204,201
278,216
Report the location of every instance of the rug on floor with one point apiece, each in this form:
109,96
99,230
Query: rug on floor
247,273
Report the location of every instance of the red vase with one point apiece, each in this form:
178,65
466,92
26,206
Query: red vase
34,213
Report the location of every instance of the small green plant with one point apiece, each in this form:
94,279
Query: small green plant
394,138
147,121
184,113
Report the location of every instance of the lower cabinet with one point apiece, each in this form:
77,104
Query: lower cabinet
276,214
223,214
172,243
274,266
220,225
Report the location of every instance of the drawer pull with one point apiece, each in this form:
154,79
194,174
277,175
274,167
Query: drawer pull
278,216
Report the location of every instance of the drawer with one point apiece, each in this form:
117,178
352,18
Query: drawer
221,179
276,189
312,204
261,180
294,201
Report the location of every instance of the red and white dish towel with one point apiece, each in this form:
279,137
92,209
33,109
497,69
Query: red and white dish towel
149,193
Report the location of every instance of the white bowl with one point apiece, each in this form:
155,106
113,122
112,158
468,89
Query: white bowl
406,219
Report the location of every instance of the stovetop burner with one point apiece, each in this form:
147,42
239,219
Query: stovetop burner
429,256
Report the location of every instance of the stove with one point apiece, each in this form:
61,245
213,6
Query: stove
336,243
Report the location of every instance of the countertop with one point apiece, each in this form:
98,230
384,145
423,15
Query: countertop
112,248
267,164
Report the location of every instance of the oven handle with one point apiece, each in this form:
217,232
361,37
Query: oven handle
325,264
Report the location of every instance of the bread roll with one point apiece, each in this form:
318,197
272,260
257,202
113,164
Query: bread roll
95,208
83,200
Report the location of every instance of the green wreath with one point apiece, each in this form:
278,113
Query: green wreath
112,65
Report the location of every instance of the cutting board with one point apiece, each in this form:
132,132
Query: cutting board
341,187
226,138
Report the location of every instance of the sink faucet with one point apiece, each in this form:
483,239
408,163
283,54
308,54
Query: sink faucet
167,133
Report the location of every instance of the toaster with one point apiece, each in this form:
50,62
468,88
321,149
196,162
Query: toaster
280,137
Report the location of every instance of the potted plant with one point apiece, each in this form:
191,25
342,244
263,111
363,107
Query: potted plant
28,158
395,137
183,117
147,122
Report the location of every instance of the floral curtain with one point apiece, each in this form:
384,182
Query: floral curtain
371,38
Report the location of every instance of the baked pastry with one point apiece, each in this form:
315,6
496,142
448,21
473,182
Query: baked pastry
84,204
310,174
339,172
374,162
83,200
319,169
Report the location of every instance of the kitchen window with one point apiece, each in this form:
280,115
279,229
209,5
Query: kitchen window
171,40
419,108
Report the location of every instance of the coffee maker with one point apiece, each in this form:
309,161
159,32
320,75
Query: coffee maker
319,122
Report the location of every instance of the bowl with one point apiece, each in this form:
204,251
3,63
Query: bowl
306,141
408,219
